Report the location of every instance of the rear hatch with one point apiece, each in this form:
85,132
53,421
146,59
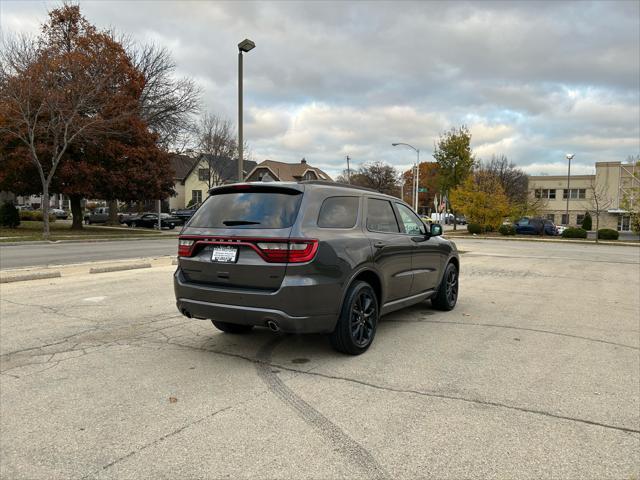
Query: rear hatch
241,237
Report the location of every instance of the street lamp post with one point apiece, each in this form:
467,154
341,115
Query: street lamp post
415,175
244,46
569,157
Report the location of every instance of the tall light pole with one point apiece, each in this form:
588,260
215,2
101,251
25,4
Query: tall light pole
415,175
244,46
569,157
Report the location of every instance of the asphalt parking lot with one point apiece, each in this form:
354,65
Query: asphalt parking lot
535,374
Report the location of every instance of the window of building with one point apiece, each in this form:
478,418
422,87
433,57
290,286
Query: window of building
580,218
196,196
576,193
545,193
380,216
551,217
310,176
203,174
624,223
565,219
338,212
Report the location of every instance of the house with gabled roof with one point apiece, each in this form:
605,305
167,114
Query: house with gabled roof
272,171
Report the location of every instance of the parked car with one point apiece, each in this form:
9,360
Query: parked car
150,220
560,229
101,215
534,226
59,213
24,207
186,213
310,257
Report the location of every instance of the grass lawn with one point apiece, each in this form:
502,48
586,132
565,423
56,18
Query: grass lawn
62,231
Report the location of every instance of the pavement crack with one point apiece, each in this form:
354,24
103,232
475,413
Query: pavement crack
267,363
164,437
355,452
513,327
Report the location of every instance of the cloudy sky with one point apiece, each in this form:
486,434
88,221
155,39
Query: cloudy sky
532,80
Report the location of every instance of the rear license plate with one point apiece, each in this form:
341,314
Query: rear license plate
224,254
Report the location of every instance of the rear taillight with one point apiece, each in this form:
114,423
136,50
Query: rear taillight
184,247
293,251
281,250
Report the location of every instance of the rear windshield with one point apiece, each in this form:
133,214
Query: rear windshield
264,208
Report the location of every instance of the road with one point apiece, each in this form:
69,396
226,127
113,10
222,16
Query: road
535,374
17,256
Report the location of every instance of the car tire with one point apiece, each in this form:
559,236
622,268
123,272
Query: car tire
447,295
171,226
231,327
358,321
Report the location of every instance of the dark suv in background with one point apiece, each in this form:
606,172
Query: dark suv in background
310,257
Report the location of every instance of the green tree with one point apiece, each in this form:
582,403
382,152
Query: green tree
586,222
482,200
455,160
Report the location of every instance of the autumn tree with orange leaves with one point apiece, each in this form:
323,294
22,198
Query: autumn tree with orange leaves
72,117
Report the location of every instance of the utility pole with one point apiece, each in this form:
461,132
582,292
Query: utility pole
569,157
348,171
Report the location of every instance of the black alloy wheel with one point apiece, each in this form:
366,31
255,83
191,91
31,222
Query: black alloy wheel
358,321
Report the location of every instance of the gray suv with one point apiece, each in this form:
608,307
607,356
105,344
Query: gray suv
310,257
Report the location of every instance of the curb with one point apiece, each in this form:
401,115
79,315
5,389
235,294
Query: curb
57,271
89,240
30,276
581,242
119,268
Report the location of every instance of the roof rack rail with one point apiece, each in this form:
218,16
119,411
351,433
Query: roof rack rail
336,184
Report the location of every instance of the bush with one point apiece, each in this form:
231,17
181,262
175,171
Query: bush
507,230
474,228
608,234
35,215
9,215
572,232
586,221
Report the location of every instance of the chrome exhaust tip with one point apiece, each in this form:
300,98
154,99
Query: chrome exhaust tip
273,326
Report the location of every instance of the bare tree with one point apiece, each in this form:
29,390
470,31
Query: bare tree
216,140
600,201
167,103
376,175
513,180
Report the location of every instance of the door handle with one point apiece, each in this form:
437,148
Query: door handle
379,244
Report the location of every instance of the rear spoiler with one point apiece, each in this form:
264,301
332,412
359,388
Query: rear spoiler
274,187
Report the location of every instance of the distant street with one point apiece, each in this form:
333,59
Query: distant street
17,256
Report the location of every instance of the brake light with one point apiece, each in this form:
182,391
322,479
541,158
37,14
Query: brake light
293,251
184,247
281,250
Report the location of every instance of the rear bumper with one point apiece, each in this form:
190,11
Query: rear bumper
248,307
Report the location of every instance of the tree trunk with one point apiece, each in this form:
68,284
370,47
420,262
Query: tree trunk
45,211
76,212
113,213
139,207
597,225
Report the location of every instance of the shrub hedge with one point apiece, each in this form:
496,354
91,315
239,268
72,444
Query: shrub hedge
9,215
608,234
572,232
474,228
507,230
35,215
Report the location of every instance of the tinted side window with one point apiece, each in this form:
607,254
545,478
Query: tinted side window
338,212
412,224
380,216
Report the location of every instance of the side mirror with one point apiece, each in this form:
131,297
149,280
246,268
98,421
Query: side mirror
436,229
